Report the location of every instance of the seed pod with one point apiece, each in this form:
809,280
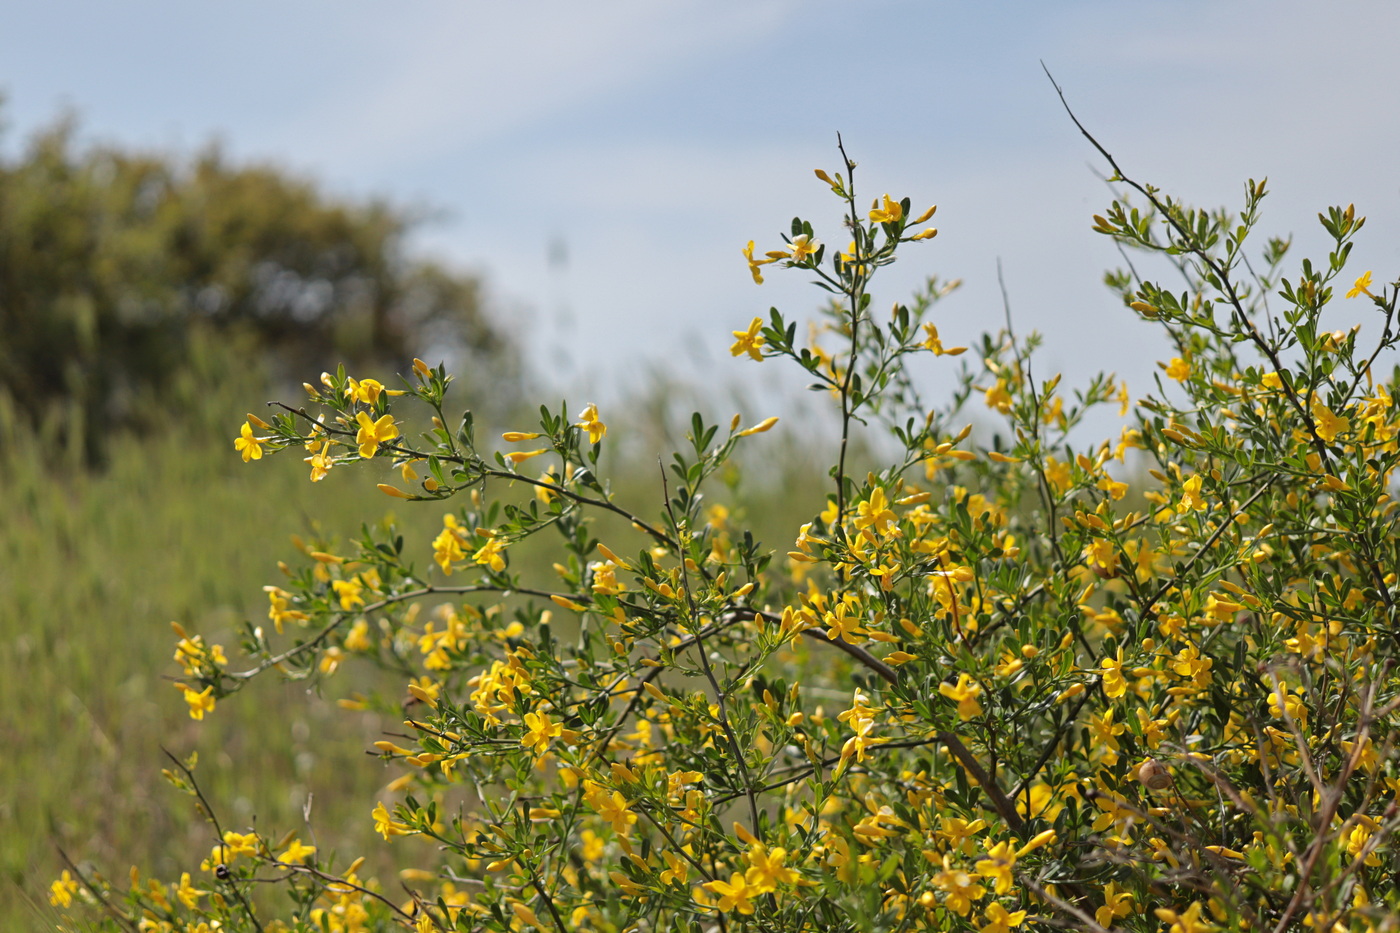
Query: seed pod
1154,775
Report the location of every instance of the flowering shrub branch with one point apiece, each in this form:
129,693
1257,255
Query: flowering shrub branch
1076,690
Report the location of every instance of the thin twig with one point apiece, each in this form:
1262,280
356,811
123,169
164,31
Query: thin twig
213,818
853,294
96,894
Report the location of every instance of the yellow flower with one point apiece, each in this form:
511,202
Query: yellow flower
959,888
1102,557
997,865
199,702
540,731
386,825
330,660
677,871
588,419
1059,475
804,247
1362,286
1188,922
849,258
999,920
998,397
61,891
1282,702
248,445
888,212
1191,499
1179,369
1329,424
844,626
187,893
349,592
734,894
591,847
959,832
605,578
1188,663
296,852
373,433
1114,684
965,694
278,611
750,341
1113,487
754,264
447,546
768,870
366,391
1116,904
1104,732
357,639
934,343
611,806
492,554
321,463
855,747
236,844
875,513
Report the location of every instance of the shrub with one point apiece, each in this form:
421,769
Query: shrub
114,263
998,683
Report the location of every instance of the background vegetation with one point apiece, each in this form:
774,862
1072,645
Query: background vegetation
113,262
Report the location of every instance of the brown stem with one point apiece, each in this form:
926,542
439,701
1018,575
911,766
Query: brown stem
989,786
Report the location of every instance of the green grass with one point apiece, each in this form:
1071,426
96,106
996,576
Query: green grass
95,566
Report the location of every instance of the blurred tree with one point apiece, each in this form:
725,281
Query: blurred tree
113,262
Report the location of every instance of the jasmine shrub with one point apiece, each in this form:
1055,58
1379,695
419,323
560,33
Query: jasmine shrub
997,684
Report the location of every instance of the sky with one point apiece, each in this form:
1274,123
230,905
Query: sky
601,166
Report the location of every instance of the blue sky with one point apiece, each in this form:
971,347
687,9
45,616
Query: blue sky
652,140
